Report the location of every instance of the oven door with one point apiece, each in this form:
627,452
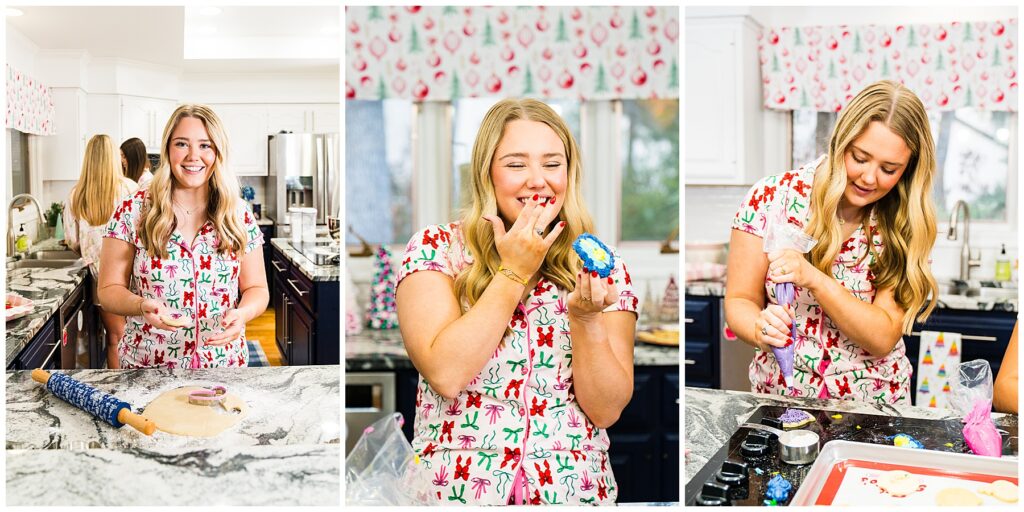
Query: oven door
368,398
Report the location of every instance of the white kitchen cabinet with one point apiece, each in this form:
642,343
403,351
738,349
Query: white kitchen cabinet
246,127
145,118
61,153
723,105
303,118
326,118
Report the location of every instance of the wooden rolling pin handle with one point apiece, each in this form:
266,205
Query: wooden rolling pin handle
40,376
144,425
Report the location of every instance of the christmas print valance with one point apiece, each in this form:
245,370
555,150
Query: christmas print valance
29,104
948,65
447,53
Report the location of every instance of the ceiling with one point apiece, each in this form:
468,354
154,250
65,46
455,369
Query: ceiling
239,39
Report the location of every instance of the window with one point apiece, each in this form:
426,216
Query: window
972,155
378,170
17,154
649,155
468,113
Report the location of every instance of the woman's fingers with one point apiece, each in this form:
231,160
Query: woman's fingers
524,215
585,290
553,235
497,225
533,216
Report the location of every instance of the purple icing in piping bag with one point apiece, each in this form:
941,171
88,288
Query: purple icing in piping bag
785,294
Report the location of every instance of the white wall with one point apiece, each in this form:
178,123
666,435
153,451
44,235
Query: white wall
21,51
260,88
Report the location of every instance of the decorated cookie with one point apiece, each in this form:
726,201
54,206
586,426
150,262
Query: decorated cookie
899,483
174,320
1001,490
595,254
778,489
957,497
795,418
906,441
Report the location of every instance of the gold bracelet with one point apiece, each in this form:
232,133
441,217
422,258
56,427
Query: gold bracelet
507,272
142,300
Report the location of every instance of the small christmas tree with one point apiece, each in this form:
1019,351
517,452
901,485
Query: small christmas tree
804,100
942,370
932,403
673,75
775,63
381,312
670,303
939,64
969,98
601,85
885,67
797,40
832,69
856,43
562,33
528,82
382,90
449,10
375,13
996,60
414,41
634,32
911,38
455,86
968,35
488,33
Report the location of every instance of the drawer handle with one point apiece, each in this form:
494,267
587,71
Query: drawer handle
968,337
688,320
279,269
291,282
689,362
49,357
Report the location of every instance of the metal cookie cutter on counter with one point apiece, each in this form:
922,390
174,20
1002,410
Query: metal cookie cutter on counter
212,397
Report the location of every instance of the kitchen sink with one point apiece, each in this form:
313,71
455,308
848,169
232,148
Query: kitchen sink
54,255
980,289
40,264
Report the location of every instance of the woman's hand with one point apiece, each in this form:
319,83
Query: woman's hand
593,294
232,324
154,312
789,266
522,248
772,326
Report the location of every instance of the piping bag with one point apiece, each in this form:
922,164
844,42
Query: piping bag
780,235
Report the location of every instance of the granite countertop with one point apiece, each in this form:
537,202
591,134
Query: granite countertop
47,287
285,451
712,416
377,350
310,269
717,289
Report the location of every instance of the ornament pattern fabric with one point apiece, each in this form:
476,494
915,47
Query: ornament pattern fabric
447,53
827,364
382,312
948,65
194,280
518,419
29,104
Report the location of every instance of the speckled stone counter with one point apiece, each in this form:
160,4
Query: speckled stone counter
712,416
373,350
48,288
310,269
717,289
285,451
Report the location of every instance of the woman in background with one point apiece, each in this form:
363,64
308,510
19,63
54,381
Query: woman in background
100,189
195,251
135,162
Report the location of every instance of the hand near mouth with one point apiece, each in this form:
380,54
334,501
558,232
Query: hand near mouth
521,248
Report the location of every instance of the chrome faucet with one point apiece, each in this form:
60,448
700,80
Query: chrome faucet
17,202
966,262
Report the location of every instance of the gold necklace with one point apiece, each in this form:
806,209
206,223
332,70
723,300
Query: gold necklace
187,211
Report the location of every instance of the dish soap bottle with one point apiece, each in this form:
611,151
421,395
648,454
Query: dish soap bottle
22,242
1003,272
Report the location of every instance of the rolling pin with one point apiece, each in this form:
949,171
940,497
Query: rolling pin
91,400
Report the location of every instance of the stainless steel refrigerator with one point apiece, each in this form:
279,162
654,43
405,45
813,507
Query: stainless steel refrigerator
304,172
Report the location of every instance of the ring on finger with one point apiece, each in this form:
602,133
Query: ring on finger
585,299
782,269
764,330
540,232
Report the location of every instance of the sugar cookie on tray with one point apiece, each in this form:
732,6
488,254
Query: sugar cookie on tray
899,483
795,418
1001,490
957,497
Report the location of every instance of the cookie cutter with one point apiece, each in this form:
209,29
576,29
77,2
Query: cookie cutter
208,396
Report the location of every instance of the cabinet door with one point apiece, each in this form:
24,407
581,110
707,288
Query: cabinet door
632,457
326,119
137,121
300,336
281,305
670,467
61,154
711,98
289,118
246,127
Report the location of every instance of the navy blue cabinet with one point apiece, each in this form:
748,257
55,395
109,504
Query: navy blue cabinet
702,342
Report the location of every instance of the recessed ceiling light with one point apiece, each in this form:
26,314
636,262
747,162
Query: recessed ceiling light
11,12
209,11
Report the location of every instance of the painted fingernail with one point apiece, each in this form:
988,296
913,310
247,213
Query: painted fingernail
535,196
611,281
593,274
562,224
551,201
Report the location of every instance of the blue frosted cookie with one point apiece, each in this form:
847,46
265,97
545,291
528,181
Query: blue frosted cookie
596,256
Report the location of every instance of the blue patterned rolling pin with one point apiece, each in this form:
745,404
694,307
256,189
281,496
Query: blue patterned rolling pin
91,400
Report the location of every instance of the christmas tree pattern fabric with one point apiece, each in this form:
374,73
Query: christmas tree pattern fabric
516,430
194,280
381,313
827,364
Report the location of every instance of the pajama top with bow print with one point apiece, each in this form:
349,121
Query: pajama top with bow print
516,432
194,280
827,364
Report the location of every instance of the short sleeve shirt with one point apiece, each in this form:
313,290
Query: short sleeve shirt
194,281
827,363
517,424
90,238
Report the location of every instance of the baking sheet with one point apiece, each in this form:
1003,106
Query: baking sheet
846,473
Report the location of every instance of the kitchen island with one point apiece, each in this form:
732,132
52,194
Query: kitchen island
713,415
285,451
305,284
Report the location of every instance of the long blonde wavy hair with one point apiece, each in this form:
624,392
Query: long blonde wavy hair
561,263
99,186
158,220
906,215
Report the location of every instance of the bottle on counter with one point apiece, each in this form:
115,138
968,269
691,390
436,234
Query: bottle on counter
1003,269
22,242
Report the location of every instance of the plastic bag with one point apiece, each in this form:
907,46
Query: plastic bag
971,397
780,235
378,470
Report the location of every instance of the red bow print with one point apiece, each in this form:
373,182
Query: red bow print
460,470
513,385
844,388
545,475
545,339
204,262
190,298
429,450
473,400
156,263
510,456
446,428
538,409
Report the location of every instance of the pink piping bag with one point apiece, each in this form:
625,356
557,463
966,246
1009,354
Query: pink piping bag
980,432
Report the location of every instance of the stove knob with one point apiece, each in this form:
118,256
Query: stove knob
772,422
734,474
754,447
714,495
769,438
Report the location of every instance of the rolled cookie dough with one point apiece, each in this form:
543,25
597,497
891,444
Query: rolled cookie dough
173,414
898,483
1001,490
957,497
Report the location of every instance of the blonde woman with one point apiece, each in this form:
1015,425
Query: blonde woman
192,252
519,350
90,204
868,203
135,161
